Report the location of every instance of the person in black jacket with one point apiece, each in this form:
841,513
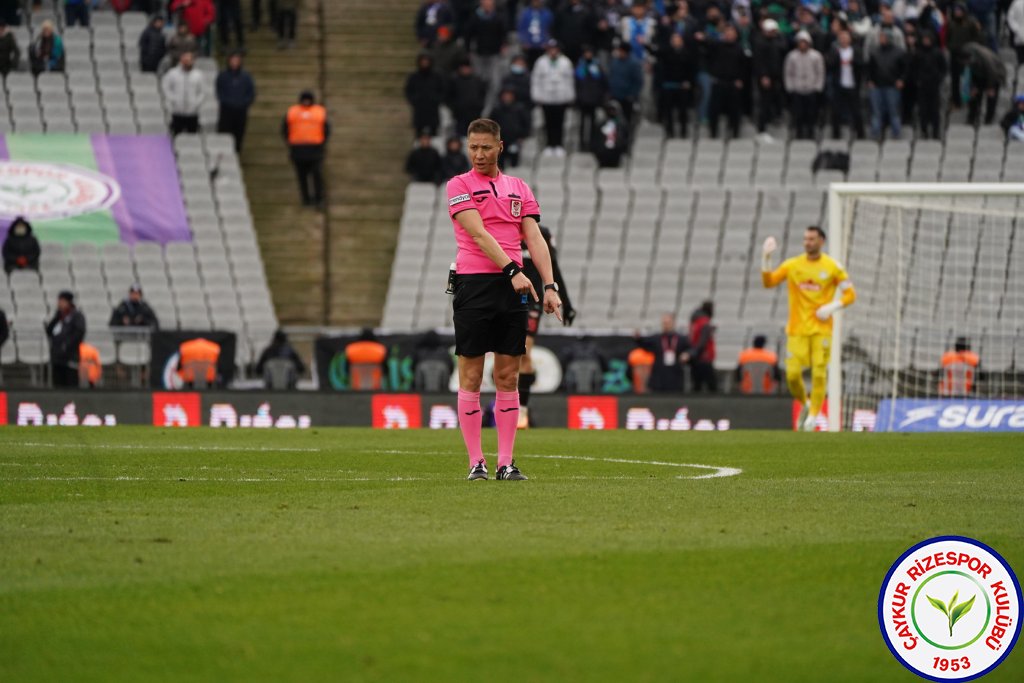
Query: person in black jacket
280,347
152,45
843,70
10,55
133,311
886,72
518,80
466,96
21,248
591,92
486,34
424,91
514,119
928,69
236,92
66,332
725,65
454,162
5,330
424,162
769,52
574,24
677,73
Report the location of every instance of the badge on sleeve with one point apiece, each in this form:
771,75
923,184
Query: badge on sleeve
517,208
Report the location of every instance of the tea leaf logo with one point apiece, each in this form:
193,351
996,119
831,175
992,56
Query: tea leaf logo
953,612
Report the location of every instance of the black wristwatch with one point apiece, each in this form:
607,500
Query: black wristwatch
553,286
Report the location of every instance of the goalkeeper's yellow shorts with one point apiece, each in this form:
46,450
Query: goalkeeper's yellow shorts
803,352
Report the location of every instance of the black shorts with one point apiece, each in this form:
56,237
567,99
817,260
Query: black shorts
489,316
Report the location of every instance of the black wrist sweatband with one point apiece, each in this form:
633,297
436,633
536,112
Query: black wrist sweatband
511,270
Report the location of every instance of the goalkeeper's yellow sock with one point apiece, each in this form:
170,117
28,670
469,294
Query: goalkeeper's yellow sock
819,381
796,387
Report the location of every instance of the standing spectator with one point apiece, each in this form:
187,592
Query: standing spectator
281,348
677,71
287,19
844,73
572,29
424,162
257,13
66,331
534,30
236,92
985,12
726,69
152,45
637,30
229,19
625,80
184,93
670,352
804,77
553,88
591,91
21,248
5,330
514,119
886,72
47,52
465,95
181,42
518,80
447,51
76,12
806,21
702,348
10,54
1013,122
455,162
486,35
424,91
1015,22
10,12
886,23
928,70
431,16
306,130
769,48
908,93
711,32
133,311
961,30
198,15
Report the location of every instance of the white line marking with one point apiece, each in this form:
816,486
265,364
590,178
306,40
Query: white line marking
143,447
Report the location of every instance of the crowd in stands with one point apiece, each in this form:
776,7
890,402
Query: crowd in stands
839,67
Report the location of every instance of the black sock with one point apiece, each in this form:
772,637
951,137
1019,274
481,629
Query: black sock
525,382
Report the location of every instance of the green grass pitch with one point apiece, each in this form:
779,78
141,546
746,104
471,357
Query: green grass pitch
140,554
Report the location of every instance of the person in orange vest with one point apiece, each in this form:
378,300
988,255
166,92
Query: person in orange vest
641,362
752,358
306,129
90,368
958,369
366,358
198,351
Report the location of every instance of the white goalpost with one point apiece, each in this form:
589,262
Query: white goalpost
934,265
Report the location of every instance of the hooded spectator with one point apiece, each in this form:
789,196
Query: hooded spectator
769,55
10,54
726,66
988,73
514,119
928,69
677,73
518,80
21,248
455,162
573,26
281,348
961,30
424,162
133,311
424,91
465,95
153,45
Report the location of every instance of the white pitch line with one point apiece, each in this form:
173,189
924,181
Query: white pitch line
143,447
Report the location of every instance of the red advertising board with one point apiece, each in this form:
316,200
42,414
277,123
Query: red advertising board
397,411
176,409
3,408
593,412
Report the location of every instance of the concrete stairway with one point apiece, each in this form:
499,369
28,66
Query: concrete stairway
333,268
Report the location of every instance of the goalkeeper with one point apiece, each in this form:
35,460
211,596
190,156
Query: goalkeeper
527,373
813,281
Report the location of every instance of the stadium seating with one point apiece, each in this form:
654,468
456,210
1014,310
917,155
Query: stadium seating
216,281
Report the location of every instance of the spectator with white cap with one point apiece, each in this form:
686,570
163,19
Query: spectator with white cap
804,75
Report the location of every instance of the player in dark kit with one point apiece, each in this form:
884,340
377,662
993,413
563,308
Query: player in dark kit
527,373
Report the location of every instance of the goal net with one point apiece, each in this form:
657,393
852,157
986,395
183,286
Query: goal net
937,267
